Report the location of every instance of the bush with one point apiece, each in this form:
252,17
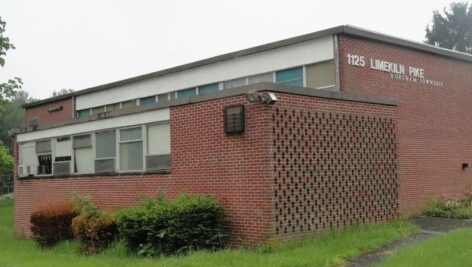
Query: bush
158,226
95,233
52,224
95,228
459,209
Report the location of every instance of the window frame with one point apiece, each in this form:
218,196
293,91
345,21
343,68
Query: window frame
119,142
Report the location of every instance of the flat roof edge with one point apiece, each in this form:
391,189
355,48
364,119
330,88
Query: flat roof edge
239,91
344,29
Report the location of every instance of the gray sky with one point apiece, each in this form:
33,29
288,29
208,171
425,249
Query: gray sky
79,44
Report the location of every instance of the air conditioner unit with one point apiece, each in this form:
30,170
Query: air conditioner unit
26,170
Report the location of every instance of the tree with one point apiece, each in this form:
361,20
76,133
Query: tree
7,89
13,116
6,164
63,91
453,29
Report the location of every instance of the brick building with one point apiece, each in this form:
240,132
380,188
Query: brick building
362,127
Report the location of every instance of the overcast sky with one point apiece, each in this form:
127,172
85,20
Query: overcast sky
83,43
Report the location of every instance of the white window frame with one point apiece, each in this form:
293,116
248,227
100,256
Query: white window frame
119,142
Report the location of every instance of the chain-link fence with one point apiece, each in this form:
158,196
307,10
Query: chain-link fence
6,184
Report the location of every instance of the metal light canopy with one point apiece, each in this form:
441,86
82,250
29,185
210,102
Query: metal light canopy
267,98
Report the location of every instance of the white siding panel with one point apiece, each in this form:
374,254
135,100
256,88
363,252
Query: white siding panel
122,121
276,59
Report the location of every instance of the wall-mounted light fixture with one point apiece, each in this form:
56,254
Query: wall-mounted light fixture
465,165
267,98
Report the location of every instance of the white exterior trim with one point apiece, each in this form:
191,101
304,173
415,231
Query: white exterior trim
97,125
299,54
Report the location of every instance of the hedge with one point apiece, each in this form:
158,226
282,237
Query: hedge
159,226
52,224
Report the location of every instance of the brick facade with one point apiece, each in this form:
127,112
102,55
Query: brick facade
242,170
51,113
433,122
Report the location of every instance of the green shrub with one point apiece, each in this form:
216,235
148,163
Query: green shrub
459,209
96,229
95,233
52,224
159,226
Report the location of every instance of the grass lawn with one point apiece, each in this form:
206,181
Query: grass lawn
329,249
452,249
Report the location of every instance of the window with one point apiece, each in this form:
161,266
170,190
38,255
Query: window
83,154
290,77
158,146
320,75
209,88
131,149
128,104
44,153
62,155
163,98
105,151
97,110
147,100
235,83
187,92
265,77
27,156
83,113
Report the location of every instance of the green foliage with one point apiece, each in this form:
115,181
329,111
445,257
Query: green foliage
460,209
84,206
95,228
9,88
52,224
159,226
453,29
12,116
63,91
321,250
96,233
5,44
6,163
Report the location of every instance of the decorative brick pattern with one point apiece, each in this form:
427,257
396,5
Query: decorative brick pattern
332,169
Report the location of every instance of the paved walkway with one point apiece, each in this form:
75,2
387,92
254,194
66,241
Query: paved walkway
429,226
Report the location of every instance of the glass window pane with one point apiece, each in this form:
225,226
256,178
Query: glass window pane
162,98
82,141
147,100
265,77
158,139
63,148
28,154
128,104
290,77
43,146
113,107
131,156
83,113
187,92
97,110
234,83
45,164
105,144
83,160
320,74
209,88
131,134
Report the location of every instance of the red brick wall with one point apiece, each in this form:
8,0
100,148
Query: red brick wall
204,160
334,164
434,129
45,117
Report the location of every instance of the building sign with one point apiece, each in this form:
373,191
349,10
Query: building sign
397,71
